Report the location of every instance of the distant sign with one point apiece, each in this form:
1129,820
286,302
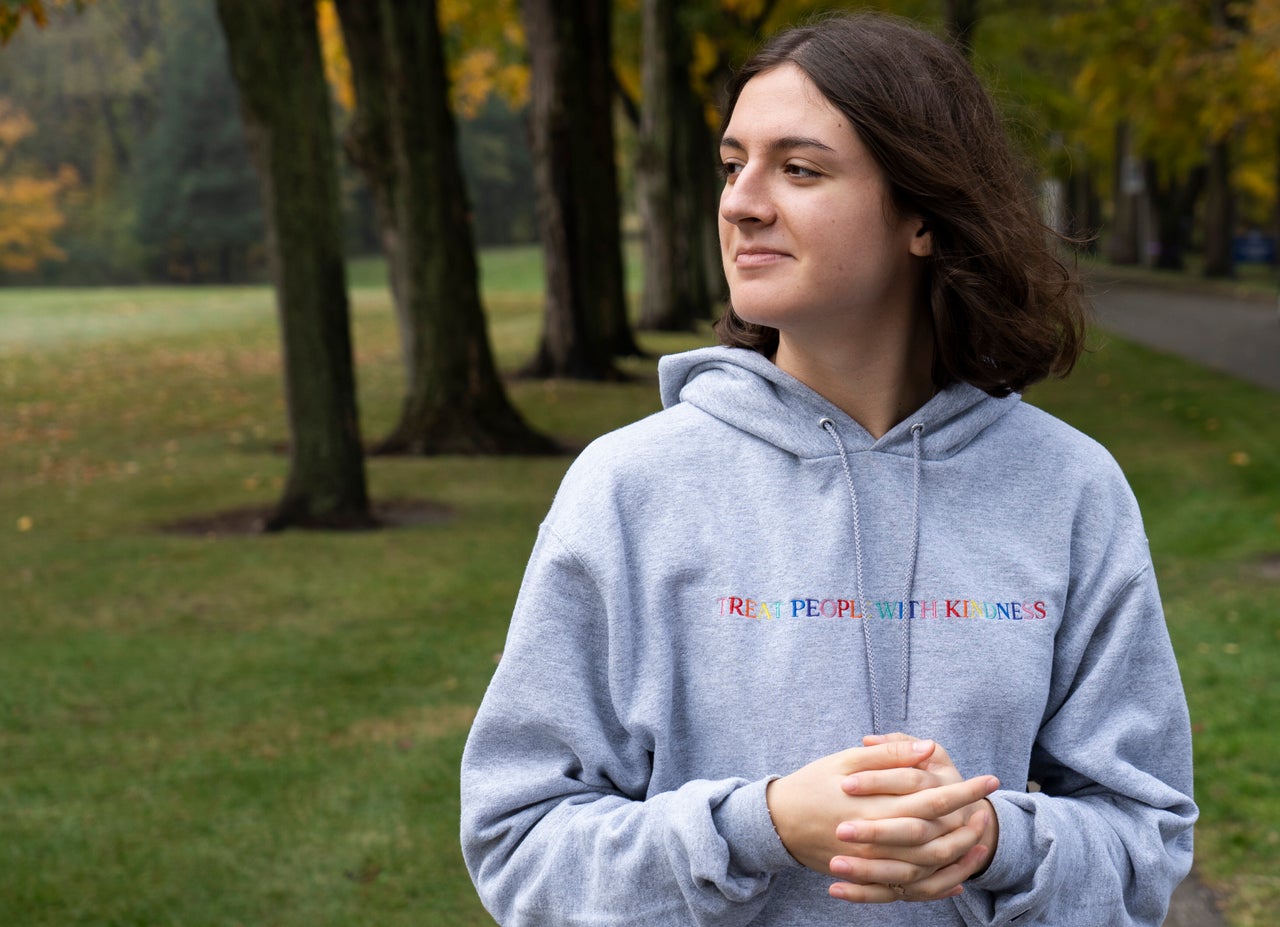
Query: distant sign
1254,248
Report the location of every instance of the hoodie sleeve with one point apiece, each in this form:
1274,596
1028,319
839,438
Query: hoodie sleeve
1109,835
557,825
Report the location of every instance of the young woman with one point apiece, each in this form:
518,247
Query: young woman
846,623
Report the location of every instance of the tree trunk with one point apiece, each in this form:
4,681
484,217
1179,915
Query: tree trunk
368,145
571,125
1219,214
1082,211
1275,228
275,59
673,287
1174,205
1125,192
705,183
405,139
962,22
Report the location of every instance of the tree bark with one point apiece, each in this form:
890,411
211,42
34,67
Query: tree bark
1275,227
1083,211
1174,206
571,125
673,287
1219,213
962,22
405,139
1126,202
369,147
706,183
274,53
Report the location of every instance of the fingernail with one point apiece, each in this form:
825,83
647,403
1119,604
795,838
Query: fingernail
849,784
921,746
840,866
847,831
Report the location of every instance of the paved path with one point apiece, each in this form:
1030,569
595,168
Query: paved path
1238,335
1235,334
1193,906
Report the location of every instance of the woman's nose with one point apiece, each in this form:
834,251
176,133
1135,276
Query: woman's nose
746,199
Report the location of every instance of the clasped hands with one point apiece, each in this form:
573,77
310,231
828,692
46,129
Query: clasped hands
893,820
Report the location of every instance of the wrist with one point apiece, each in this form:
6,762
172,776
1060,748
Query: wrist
990,835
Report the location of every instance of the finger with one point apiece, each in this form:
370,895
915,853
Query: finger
944,881
873,740
858,871
886,894
890,781
892,755
933,804
939,754
948,804
893,833
926,856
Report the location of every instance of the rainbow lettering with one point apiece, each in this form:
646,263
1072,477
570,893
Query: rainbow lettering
838,608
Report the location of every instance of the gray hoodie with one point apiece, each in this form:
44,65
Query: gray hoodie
748,581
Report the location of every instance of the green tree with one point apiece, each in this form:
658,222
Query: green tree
274,52
493,146
199,214
30,204
403,137
90,80
13,12
1161,84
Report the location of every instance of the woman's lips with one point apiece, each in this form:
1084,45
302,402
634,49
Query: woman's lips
759,257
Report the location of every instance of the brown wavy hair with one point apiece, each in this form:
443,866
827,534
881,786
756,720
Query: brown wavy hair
1006,310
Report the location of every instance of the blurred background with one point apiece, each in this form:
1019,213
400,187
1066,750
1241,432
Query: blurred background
1152,126
376,270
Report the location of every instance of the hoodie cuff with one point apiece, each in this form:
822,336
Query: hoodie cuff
743,820
1014,864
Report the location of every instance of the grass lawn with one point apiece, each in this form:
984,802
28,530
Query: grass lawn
266,730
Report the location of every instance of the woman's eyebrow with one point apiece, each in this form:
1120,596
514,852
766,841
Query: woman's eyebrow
785,143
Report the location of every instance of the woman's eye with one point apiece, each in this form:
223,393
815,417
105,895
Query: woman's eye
729,168
801,173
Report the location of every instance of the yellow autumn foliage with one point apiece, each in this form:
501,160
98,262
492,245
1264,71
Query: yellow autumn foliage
337,69
30,206
489,60
12,12
29,217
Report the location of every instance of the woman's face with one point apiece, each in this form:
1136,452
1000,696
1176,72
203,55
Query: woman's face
810,241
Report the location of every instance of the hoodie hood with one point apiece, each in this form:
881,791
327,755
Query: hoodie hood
746,390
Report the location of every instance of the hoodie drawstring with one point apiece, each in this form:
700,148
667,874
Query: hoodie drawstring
917,430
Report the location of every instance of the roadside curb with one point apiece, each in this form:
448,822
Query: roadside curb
1104,277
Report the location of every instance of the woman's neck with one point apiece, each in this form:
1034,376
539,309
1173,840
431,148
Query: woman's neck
876,381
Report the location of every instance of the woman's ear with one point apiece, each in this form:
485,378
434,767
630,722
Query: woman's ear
922,240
